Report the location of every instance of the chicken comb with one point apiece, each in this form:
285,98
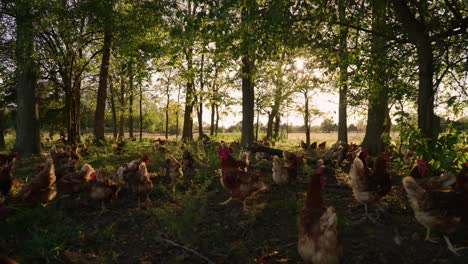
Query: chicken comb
421,163
299,159
259,173
17,154
387,154
466,164
365,151
93,176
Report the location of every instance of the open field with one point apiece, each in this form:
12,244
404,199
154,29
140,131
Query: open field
75,230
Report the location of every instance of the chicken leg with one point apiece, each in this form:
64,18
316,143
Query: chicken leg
451,247
428,236
226,202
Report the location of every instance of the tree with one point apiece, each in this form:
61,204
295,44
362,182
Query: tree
99,117
27,119
378,94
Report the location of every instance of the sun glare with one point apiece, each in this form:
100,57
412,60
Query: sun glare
299,63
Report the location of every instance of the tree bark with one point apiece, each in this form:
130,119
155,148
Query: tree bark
200,99
343,77
419,36
277,125
27,118
130,100
99,116
187,132
114,112
122,107
378,94
307,118
167,110
177,112
141,111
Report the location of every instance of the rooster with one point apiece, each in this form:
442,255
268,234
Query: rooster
438,208
102,188
77,181
419,170
236,179
318,236
369,186
41,189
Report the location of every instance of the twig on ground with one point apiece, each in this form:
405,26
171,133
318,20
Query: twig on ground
186,248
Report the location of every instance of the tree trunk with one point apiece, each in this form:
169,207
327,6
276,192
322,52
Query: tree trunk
99,116
307,118
187,132
130,100
419,36
167,111
141,111
257,124
217,120
343,77
27,118
114,112
177,112
277,125
122,107
214,101
378,94
200,99
3,117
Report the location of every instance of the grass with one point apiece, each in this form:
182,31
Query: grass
70,231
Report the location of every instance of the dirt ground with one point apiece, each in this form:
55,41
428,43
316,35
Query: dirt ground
185,224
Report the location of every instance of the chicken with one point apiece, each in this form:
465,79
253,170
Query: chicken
304,146
65,169
285,169
8,158
313,145
6,178
369,186
419,170
188,163
438,208
237,180
462,179
140,183
61,157
102,188
134,165
173,168
318,235
77,181
322,145
41,189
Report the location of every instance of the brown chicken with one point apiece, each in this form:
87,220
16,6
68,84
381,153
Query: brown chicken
438,208
318,235
6,178
173,168
4,158
188,163
140,183
102,188
369,185
41,188
77,181
235,178
285,170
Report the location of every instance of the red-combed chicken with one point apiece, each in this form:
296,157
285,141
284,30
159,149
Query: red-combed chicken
102,188
140,183
134,165
77,181
369,186
437,207
6,178
236,179
419,170
318,235
8,158
41,189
